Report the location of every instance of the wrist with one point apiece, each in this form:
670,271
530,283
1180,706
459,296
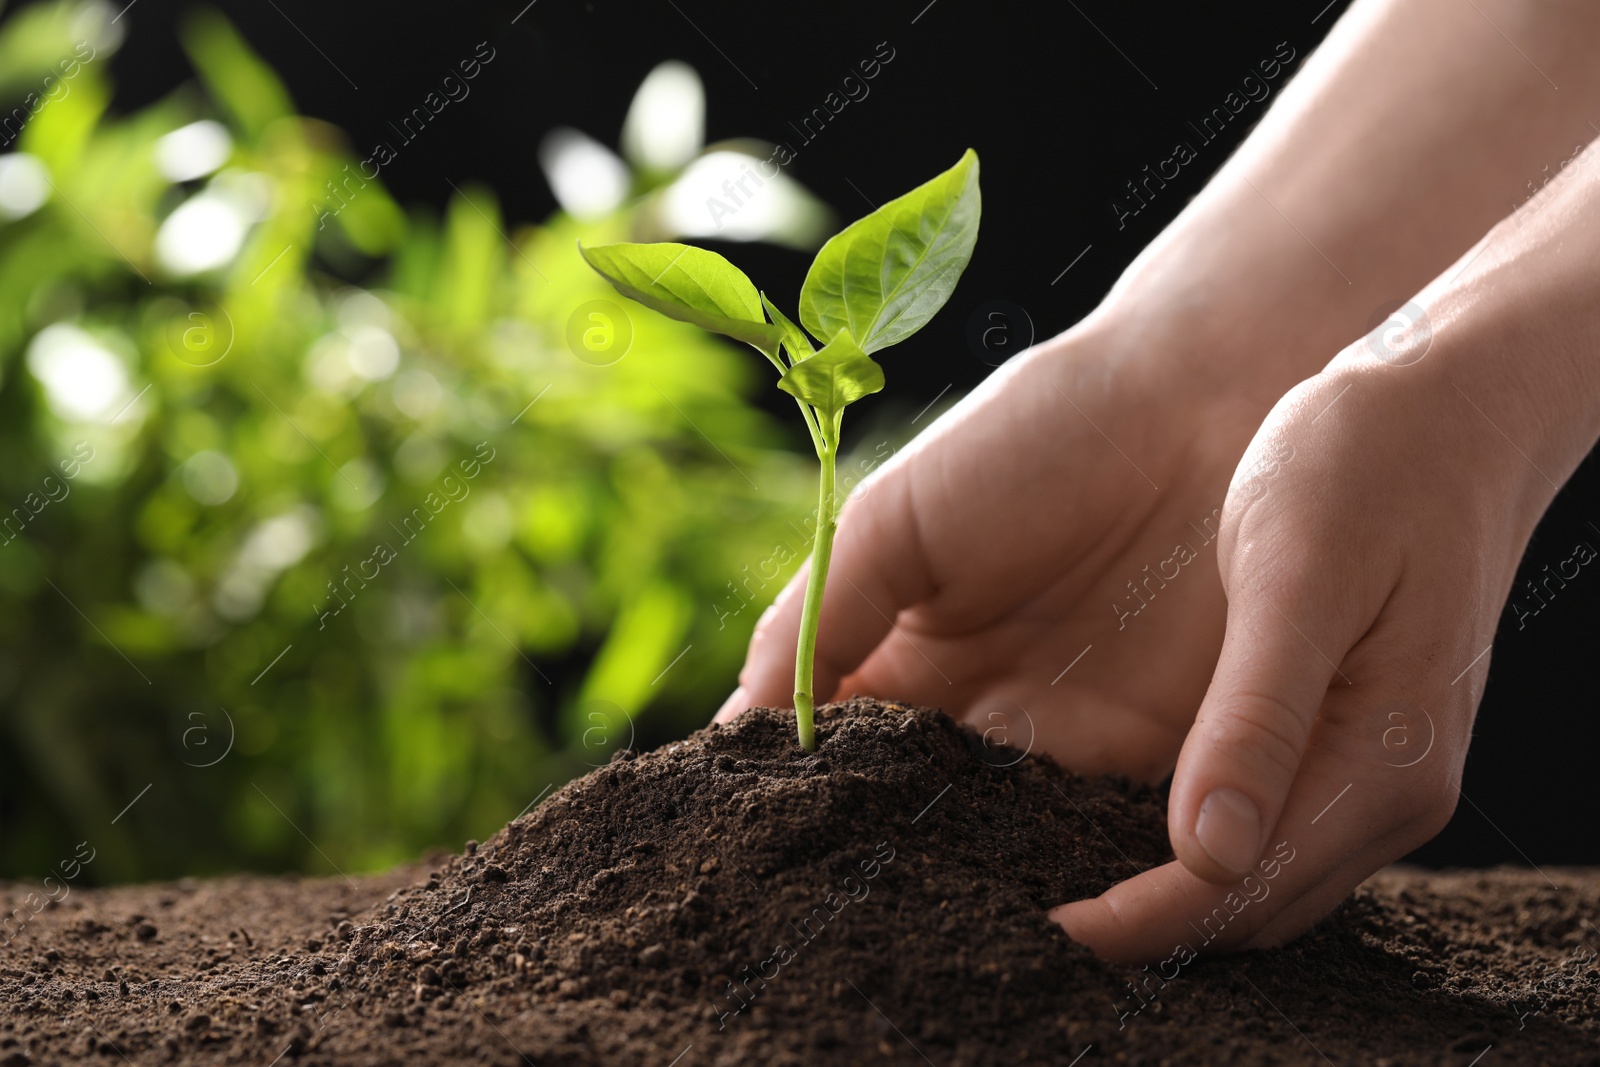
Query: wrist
1224,305
1478,422
1176,320
1178,383
1512,331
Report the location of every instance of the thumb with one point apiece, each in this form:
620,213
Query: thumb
877,570
1244,750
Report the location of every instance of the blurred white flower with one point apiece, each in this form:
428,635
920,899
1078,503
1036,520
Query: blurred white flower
416,394
358,307
359,485
99,24
164,587
210,477
239,594
283,540
739,197
207,230
666,123
328,364
373,352
340,363
272,547
587,178
82,379
204,233
24,185
193,151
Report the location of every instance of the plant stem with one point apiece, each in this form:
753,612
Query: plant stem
821,553
811,425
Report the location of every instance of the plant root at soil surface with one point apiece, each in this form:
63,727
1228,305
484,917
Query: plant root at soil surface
729,899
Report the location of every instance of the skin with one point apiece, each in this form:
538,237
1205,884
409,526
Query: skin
1353,508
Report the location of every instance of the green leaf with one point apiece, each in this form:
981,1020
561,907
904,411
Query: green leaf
794,338
883,277
837,376
688,284
474,259
244,86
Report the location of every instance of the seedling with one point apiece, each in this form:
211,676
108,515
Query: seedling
873,284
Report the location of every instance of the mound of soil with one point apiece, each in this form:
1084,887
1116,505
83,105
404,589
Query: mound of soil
729,899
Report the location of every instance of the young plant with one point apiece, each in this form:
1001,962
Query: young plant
873,284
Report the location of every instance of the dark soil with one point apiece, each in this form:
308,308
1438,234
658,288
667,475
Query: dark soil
730,900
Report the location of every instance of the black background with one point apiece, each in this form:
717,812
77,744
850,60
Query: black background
1061,116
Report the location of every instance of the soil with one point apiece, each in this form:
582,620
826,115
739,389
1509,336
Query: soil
729,899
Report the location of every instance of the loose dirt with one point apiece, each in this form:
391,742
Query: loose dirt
729,899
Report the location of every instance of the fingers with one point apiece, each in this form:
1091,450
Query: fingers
1351,809
1245,748
1147,917
737,701
1346,819
877,570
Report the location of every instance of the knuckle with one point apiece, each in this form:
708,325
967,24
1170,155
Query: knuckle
1434,810
761,653
763,629
1276,562
1272,733
1429,795
867,500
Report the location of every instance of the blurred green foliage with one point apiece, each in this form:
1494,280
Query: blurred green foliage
262,430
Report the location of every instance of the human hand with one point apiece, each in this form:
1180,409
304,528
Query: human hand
941,533
972,570
1363,590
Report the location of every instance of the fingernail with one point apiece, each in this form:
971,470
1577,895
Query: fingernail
1229,829
735,703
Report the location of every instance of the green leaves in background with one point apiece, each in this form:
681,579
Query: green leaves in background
244,86
364,527
688,284
884,276
834,378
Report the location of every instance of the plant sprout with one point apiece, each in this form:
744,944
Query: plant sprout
873,284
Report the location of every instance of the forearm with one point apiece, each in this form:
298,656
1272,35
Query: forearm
1515,347
1412,130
